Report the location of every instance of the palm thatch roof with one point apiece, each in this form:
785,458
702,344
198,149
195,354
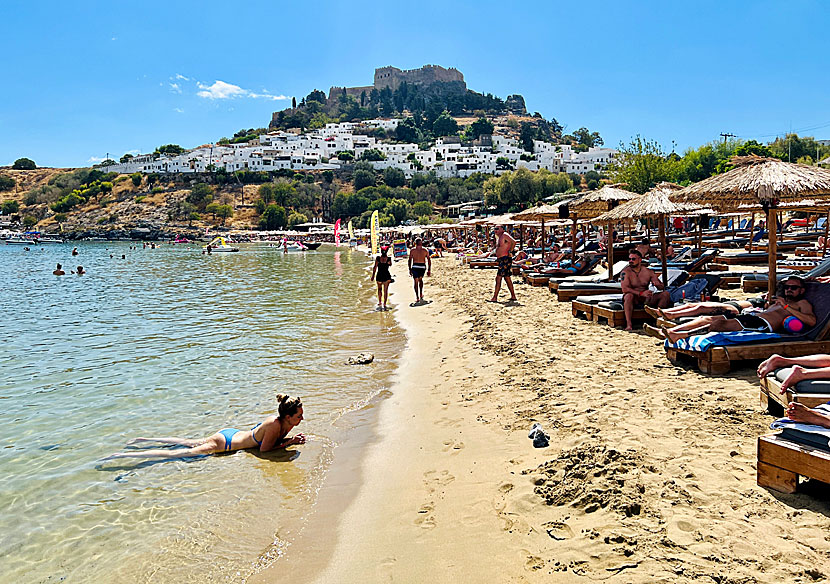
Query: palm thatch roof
506,219
654,203
542,212
757,180
594,203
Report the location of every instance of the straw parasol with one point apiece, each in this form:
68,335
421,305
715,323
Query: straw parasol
594,203
654,204
543,213
757,180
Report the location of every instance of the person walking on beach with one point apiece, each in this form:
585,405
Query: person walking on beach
504,248
635,281
419,263
59,271
268,435
381,275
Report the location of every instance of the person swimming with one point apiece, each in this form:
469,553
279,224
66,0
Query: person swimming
268,435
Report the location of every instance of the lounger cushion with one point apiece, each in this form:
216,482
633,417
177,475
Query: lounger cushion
612,305
599,298
807,386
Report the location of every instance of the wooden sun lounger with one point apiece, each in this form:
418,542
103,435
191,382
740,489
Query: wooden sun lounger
781,462
567,295
616,318
717,360
772,398
747,259
582,310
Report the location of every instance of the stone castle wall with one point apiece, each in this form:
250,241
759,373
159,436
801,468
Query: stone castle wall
392,77
355,92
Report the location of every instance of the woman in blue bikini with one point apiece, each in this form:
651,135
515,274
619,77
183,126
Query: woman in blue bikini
269,434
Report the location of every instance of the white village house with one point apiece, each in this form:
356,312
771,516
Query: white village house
318,149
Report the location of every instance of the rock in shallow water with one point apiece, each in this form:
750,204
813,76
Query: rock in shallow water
361,359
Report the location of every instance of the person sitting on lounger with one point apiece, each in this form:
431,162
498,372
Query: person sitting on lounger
770,320
635,281
733,307
803,368
644,247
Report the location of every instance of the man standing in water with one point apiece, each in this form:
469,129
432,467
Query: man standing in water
504,247
419,262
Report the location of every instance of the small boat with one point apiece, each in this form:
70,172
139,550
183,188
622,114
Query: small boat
219,245
180,239
50,240
312,245
20,240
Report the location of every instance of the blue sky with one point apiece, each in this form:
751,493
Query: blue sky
83,79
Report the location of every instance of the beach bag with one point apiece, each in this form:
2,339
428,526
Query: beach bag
690,289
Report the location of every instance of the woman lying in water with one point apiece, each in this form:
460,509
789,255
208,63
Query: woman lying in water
269,434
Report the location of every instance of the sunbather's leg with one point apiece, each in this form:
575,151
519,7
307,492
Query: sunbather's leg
777,361
628,309
801,413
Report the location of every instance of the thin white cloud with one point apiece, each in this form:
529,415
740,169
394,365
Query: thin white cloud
96,159
175,88
178,110
223,90
181,77
114,39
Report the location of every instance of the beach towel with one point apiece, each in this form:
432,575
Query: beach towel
703,342
690,289
808,434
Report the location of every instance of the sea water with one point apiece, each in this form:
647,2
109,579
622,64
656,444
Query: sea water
171,342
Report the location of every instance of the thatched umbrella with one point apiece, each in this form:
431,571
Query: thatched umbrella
756,180
653,204
543,213
594,203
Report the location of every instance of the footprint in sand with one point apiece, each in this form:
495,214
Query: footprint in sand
425,518
558,530
449,422
434,479
453,446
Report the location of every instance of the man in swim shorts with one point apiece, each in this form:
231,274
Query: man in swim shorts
635,281
770,320
419,263
504,248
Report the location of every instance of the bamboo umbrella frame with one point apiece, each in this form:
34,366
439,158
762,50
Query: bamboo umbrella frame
756,180
542,213
594,203
654,204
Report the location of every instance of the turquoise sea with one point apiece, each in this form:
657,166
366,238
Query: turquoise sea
170,342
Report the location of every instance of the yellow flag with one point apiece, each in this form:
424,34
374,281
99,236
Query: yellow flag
375,233
351,230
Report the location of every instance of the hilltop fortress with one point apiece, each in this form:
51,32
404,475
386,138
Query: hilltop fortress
392,78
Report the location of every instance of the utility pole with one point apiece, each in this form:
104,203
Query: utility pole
726,135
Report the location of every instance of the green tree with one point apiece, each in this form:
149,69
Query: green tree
407,131
345,155
10,207
587,138
394,177
126,158
422,209
7,183
60,217
482,126
642,164
170,149
363,178
200,195
29,221
372,155
295,218
24,164
527,135
328,176
274,217
223,212
136,178
213,209
445,125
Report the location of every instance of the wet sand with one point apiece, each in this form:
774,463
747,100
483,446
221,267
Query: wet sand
649,477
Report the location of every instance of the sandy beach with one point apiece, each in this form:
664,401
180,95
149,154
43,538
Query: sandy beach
649,477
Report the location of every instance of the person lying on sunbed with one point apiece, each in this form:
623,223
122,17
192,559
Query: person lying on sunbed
770,320
552,257
803,368
731,307
798,412
562,270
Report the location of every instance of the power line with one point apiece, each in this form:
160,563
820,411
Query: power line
726,135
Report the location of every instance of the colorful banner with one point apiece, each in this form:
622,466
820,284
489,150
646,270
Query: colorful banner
337,233
399,248
374,231
351,230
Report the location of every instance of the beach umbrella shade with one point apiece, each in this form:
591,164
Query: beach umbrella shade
593,204
544,213
755,180
654,204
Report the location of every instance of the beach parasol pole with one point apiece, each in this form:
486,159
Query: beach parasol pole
610,252
826,227
662,235
751,231
543,239
772,250
573,239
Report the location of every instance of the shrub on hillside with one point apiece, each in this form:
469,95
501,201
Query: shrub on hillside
6,183
24,164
